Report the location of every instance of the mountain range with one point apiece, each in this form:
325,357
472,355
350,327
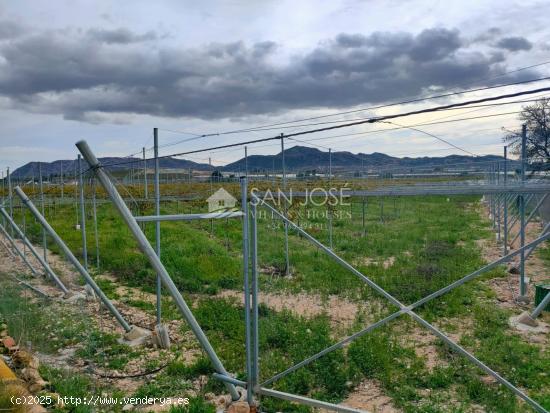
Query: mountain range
297,158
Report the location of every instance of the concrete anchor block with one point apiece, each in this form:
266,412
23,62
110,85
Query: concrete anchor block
161,337
525,318
137,336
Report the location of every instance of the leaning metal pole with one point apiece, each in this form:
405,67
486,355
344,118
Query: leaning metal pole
307,401
70,256
532,214
16,248
155,262
529,251
34,252
8,248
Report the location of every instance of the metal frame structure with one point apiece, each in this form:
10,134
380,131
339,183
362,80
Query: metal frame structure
261,388
500,193
155,262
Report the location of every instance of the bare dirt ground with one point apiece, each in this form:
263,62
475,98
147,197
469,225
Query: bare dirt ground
507,288
368,395
341,312
185,343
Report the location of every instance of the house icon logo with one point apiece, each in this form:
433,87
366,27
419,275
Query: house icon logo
221,200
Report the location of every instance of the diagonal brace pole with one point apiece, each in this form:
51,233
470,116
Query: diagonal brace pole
39,257
389,318
70,256
408,309
531,215
16,248
154,260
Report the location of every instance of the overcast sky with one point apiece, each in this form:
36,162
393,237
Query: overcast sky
109,72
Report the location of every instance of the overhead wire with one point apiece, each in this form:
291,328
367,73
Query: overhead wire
244,130
365,121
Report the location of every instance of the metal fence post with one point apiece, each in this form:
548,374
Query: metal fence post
62,180
96,232
10,198
505,202
246,301
155,262
499,199
82,213
246,161
146,189
255,287
287,258
44,239
363,215
157,224
523,288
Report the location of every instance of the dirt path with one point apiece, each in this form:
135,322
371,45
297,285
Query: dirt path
506,288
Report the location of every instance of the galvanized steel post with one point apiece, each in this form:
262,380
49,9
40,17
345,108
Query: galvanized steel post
255,287
70,256
82,213
155,262
146,189
10,198
522,286
246,300
96,232
287,258
157,224
44,239
505,202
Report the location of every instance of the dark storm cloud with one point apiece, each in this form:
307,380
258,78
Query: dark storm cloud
122,36
9,29
514,44
83,75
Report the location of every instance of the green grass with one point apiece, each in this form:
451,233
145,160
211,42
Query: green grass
46,331
431,242
430,239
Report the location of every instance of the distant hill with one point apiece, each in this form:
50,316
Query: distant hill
54,168
299,158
